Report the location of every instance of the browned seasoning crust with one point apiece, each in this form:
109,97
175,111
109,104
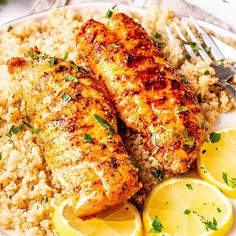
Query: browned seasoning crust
86,157
148,94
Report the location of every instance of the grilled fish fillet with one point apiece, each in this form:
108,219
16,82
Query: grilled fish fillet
149,95
78,136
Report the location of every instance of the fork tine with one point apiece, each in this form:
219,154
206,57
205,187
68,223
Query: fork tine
215,51
187,47
169,34
201,51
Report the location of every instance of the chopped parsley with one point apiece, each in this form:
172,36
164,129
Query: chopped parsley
9,28
75,67
202,123
154,152
220,62
87,69
176,134
46,200
105,124
193,45
185,134
184,79
139,169
65,56
189,143
52,61
208,223
32,55
14,130
0,156
65,97
189,186
229,181
218,209
157,35
156,226
34,130
208,49
187,211
71,77
158,173
113,45
206,72
87,138
215,137
109,14
182,109
114,7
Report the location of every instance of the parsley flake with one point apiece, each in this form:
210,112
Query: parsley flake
208,49
202,123
52,61
14,130
87,138
187,211
215,137
218,209
32,55
65,56
156,226
65,97
184,79
104,123
157,35
109,14
46,200
220,62
206,72
182,109
9,28
0,156
189,186
34,130
158,173
113,45
189,143
139,169
71,77
193,45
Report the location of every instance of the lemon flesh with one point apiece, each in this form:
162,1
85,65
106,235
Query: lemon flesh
122,220
188,206
217,162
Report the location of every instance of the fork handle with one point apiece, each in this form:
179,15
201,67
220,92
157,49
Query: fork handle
229,88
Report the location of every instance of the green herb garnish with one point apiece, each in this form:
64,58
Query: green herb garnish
218,209
176,134
139,169
65,97
32,55
202,123
189,143
105,124
75,67
71,77
87,138
158,173
184,79
182,109
215,137
0,156
208,49
193,45
189,186
154,152
34,130
109,14
220,62
157,35
65,56
9,28
46,200
113,45
156,226
52,61
185,134
187,211
206,72
87,69
14,130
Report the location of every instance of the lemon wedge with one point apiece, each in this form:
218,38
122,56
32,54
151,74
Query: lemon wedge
121,220
217,161
187,206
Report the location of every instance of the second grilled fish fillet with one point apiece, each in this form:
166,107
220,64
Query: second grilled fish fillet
148,94
78,136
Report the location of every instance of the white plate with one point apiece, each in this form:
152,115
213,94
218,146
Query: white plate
226,120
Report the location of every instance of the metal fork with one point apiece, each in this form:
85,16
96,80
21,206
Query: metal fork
223,73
